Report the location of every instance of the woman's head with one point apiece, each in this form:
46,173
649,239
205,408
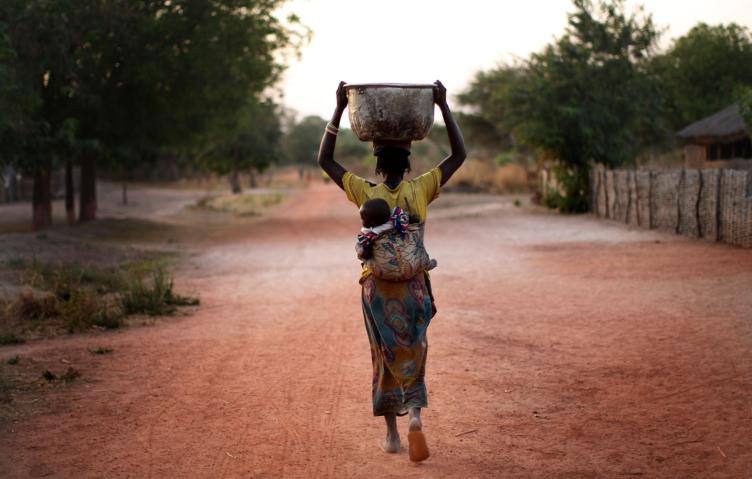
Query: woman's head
391,160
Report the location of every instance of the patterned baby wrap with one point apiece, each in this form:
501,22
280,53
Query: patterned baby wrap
400,255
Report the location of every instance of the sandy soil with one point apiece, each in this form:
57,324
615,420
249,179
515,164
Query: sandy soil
564,347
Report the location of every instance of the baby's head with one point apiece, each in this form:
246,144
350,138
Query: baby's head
375,212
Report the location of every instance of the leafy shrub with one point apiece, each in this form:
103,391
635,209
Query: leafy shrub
571,192
153,295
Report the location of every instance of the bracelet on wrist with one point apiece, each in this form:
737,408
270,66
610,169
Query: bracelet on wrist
331,129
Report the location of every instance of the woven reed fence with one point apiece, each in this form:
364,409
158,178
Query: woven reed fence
715,204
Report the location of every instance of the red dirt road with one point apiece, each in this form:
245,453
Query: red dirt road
564,347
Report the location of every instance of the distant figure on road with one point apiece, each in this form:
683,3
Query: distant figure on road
396,314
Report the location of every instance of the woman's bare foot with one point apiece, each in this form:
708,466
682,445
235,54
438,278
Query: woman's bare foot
390,445
418,447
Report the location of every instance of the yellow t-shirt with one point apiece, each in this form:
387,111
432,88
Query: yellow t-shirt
412,196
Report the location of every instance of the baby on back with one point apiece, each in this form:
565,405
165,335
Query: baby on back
390,243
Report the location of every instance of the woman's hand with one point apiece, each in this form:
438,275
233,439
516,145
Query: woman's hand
439,93
341,96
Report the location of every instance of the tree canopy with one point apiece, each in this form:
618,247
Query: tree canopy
124,80
703,71
587,97
301,142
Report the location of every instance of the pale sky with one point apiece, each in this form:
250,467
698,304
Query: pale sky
420,41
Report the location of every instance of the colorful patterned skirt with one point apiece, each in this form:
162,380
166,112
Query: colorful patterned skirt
397,315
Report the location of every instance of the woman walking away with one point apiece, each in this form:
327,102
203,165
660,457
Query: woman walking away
396,313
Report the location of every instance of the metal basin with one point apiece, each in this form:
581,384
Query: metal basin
390,111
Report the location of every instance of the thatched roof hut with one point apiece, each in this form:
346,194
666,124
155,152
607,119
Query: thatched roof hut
721,136
723,126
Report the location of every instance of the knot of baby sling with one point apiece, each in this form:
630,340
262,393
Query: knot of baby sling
400,220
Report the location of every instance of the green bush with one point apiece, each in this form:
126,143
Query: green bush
82,296
153,295
571,194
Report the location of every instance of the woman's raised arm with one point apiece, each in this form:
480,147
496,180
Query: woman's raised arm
451,163
328,142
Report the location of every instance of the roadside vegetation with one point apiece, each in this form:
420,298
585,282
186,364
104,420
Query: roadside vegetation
240,205
60,297
151,62
603,92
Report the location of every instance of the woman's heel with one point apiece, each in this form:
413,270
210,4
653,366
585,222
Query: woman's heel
417,441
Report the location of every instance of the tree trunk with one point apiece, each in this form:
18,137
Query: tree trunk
125,192
235,182
88,206
42,198
70,195
252,175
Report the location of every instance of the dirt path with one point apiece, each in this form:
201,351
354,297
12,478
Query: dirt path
564,347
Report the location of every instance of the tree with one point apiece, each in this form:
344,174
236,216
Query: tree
121,80
488,121
12,107
300,144
41,35
744,99
248,143
702,70
349,147
586,98
178,72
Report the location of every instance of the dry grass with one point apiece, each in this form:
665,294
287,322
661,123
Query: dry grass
477,175
70,298
33,306
241,204
276,177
